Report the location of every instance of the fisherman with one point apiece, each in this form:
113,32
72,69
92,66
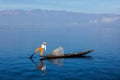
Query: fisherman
42,49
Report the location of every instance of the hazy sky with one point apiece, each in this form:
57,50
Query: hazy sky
86,6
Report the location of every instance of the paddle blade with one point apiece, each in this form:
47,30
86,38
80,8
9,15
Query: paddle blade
32,55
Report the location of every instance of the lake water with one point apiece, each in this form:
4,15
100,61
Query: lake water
17,44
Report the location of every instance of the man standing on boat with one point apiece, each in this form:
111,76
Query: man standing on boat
42,49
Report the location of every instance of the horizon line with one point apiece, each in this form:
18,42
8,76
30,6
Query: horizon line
62,11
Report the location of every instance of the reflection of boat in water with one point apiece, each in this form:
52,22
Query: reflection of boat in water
70,55
58,62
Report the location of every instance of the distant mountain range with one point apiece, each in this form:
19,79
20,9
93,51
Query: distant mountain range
55,18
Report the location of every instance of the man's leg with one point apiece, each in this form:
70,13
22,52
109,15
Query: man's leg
41,51
38,49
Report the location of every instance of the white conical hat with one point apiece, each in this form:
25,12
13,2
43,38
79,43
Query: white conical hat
44,42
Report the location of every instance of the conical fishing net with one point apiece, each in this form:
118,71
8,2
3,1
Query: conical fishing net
57,52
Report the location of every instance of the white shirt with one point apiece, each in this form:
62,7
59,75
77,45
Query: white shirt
43,46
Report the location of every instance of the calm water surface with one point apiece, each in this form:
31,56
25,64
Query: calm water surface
17,44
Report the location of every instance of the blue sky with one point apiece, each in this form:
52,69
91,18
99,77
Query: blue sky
85,6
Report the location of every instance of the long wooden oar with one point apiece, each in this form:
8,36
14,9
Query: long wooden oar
32,55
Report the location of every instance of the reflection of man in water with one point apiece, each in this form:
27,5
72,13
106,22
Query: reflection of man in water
41,67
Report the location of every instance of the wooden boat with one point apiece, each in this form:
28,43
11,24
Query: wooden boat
70,55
